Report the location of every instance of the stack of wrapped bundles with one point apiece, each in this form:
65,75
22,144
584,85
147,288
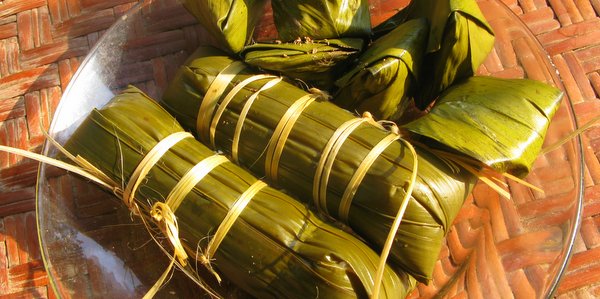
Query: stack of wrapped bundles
354,170
265,242
313,149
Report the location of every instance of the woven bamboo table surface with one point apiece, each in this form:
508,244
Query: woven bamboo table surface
42,43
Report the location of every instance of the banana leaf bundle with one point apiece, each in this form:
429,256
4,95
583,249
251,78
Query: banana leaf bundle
230,22
459,41
508,118
275,248
321,19
316,62
246,115
386,74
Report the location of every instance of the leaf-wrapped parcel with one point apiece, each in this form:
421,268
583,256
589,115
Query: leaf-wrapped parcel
459,41
276,248
230,22
385,76
507,117
250,124
321,19
316,62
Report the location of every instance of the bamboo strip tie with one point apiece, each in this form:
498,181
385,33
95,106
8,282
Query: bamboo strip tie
191,179
234,91
359,174
164,213
281,134
321,178
146,164
214,92
242,118
160,212
232,215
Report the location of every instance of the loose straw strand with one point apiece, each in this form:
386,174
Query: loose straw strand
571,135
396,224
84,164
163,278
88,174
163,214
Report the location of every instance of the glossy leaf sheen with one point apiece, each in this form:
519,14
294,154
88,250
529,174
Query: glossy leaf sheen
508,118
386,73
321,19
459,41
230,22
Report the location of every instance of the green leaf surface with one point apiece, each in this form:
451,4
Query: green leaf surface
500,122
317,62
321,19
439,12
459,41
386,73
230,22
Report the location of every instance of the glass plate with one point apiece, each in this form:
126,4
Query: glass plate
497,248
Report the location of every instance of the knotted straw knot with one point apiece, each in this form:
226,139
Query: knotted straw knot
206,261
388,125
164,216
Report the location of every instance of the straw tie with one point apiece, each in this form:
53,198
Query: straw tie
189,180
282,132
232,215
146,164
232,93
323,170
214,92
359,174
242,118
160,212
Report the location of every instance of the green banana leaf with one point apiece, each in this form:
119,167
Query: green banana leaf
317,62
500,122
386,73
459,41
230,22
277,248
321,19
437,197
